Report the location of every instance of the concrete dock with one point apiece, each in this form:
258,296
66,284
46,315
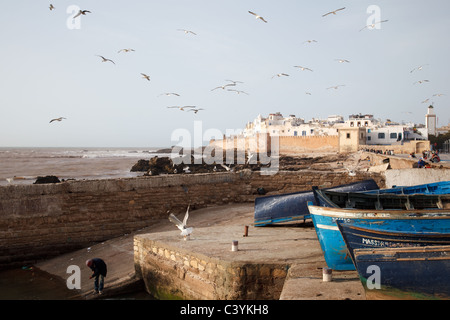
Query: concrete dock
214,230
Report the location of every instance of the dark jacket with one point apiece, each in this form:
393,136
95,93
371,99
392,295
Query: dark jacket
98,267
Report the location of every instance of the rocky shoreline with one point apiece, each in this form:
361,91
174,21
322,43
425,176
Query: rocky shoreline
189,164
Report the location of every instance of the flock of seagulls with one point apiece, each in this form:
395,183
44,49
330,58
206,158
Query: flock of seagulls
231,85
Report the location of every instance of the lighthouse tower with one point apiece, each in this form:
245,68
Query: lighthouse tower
430,121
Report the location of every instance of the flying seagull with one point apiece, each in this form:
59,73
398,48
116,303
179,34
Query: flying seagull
224,86
336,87
302,68
419,68
421,81
234,82
51,7
185,231
372,26
195,109
81,12
182,108
125,50
333,12
145,76
280,74
309,41
105,60
257,16
57,119
169,94
237,91
187,31
342,60
438,94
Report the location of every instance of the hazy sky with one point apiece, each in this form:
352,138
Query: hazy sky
49,67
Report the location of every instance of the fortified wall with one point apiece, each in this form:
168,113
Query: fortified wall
285,144
45,220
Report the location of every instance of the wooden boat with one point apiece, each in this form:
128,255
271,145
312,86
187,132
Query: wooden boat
381,201
292,207
442,187
405,273
357,237
333,245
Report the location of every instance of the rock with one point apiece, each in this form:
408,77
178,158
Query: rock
188,164
141,165
47,179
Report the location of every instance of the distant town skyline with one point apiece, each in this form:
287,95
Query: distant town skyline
137,74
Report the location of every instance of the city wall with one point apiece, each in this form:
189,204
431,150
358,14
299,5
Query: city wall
285,144
45,220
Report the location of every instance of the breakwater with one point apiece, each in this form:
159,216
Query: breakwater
43,221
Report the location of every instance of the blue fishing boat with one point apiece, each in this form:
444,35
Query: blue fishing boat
333,245
292,207
405,273
380,201
442,187
356,237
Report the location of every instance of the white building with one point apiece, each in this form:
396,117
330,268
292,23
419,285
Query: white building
277,125
377,132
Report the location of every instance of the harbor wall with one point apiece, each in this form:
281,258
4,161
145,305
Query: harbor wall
45,220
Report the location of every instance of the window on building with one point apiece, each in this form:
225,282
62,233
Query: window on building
393,135
348,135
369,138
366,123
381,135
303,133
352,124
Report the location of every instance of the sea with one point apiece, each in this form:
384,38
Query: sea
24,165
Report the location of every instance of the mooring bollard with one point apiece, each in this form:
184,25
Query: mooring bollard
246,231
234,245
327,274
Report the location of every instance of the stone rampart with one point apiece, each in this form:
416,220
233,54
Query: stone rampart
46,220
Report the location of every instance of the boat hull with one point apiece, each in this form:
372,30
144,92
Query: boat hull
405,273
331,240
292,207
366,238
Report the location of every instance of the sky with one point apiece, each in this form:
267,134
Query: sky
50,67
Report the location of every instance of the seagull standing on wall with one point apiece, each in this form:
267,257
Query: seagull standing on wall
185,231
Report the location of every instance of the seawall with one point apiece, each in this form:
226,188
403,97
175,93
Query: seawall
43,221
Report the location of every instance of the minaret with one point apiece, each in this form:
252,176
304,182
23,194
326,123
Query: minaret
430,121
